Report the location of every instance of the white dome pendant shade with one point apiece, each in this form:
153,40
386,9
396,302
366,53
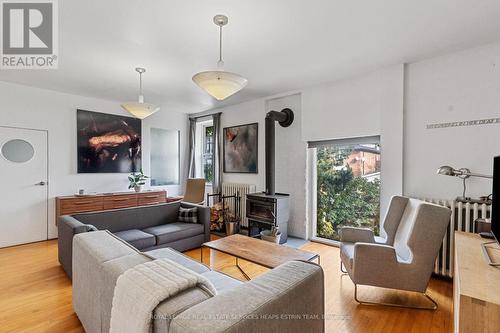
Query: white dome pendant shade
219,83
140,109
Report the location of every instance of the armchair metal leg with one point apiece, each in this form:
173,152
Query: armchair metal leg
434,305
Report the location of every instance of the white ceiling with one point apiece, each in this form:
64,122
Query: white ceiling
279,45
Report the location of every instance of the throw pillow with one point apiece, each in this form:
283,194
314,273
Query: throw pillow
189,215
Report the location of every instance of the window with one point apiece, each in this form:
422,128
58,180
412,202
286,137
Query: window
204,150
208,153
347,176
164,157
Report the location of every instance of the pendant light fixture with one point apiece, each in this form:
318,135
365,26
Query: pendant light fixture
140,109
219,83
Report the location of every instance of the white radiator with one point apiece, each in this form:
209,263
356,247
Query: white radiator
242,190
462,218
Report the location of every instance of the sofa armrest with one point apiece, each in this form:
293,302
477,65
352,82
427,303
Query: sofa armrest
203,217
267,304
67,227
354,235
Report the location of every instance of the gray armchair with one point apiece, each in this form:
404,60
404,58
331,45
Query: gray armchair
403,257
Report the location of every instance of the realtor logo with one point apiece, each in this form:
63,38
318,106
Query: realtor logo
29,34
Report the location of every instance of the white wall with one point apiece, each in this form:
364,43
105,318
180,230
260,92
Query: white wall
363,106
391,134
344,109
246,113
459,86
27,107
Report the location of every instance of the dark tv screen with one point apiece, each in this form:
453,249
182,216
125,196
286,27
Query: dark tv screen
495,208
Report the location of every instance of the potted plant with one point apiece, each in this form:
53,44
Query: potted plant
137,179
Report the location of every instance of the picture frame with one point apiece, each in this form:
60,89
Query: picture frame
108,143
241,148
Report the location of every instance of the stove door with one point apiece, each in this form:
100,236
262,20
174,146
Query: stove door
264,211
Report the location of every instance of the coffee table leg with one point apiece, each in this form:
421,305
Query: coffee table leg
241,270
201,254
317,257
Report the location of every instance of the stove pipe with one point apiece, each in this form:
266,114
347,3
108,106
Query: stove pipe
285,119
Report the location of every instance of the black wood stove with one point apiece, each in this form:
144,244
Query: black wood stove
268,209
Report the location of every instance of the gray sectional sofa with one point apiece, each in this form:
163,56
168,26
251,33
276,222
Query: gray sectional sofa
289,298
146,228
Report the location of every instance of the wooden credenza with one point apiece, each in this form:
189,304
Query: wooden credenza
73,204
476,286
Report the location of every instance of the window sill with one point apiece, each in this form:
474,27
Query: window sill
325,241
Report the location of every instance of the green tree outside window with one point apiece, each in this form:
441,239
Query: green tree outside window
342,198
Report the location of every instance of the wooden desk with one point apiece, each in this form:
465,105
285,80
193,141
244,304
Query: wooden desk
476,286
73,204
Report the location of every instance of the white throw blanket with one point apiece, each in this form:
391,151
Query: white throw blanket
141,288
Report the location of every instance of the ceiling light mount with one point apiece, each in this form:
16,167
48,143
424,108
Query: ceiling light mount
220,20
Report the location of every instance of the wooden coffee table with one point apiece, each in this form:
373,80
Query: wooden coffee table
257,251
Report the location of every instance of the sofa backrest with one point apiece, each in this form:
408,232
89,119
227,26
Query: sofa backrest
272,302
131,218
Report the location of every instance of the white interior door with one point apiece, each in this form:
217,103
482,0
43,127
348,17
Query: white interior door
23,194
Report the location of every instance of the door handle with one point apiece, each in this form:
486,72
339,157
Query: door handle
42,183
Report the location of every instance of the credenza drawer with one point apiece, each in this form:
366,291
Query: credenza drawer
120,201
151,198
81,205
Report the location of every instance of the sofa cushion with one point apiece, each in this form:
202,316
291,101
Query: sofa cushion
179,258
222,282
170,232
137,238
189,215
169,308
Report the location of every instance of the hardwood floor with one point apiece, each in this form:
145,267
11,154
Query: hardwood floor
35,294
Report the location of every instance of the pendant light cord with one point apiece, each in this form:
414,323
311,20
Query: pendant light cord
140,83
220,63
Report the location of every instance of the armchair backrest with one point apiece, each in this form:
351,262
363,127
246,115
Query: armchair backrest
421,232
195,190
405,229
393,218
